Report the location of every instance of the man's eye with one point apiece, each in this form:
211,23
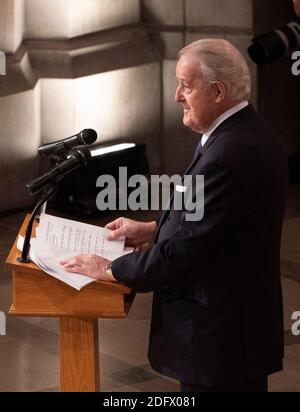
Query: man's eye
187,88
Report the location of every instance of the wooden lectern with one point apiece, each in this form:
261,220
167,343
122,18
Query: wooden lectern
35,293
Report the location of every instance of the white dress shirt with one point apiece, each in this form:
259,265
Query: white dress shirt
221,119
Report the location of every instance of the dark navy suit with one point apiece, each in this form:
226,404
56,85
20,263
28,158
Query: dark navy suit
217,308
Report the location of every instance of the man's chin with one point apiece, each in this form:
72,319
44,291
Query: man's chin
187,121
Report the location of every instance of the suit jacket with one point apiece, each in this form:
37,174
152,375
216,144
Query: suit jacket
217,306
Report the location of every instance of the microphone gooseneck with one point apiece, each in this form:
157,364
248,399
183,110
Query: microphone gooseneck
78,157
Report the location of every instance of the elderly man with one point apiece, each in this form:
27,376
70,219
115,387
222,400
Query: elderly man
217,307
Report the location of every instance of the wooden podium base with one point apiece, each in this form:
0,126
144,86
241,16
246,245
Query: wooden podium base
79,355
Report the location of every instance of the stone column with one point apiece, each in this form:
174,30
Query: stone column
11,24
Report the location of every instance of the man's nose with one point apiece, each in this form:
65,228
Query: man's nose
178,94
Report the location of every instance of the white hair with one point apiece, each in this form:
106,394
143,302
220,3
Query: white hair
222,61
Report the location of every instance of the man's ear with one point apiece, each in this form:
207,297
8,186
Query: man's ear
220,91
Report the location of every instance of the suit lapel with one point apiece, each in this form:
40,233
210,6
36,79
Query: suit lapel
167,211
232,120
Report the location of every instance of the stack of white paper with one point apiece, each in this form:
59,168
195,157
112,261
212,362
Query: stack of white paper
58,239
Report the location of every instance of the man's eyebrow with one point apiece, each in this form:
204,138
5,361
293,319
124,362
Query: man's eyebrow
183,79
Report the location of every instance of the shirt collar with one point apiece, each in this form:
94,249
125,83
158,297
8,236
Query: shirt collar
221,119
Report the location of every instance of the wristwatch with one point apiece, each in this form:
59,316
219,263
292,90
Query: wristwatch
109,272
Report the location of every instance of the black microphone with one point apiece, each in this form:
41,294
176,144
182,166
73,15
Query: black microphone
77,158
85,137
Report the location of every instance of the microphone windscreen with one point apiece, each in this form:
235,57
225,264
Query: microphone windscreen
88,136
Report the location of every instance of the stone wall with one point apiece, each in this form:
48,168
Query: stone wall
109,65
20,135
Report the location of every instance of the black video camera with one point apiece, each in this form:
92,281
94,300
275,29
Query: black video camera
270,46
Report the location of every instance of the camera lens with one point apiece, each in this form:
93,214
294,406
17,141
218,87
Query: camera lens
271,46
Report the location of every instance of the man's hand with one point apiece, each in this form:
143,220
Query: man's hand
136,233
93,266
297,7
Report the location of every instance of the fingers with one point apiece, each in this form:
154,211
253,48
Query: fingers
117,233
77,259
74,269
65,261
115,224
76,264
73,265
90,265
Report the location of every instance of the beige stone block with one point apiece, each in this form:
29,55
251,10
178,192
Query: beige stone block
96,53
11,24
113,52
170,43
122,103
19,76
47,19
229,13
57,109
94,15
51,63
70,18
167,12
19,140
